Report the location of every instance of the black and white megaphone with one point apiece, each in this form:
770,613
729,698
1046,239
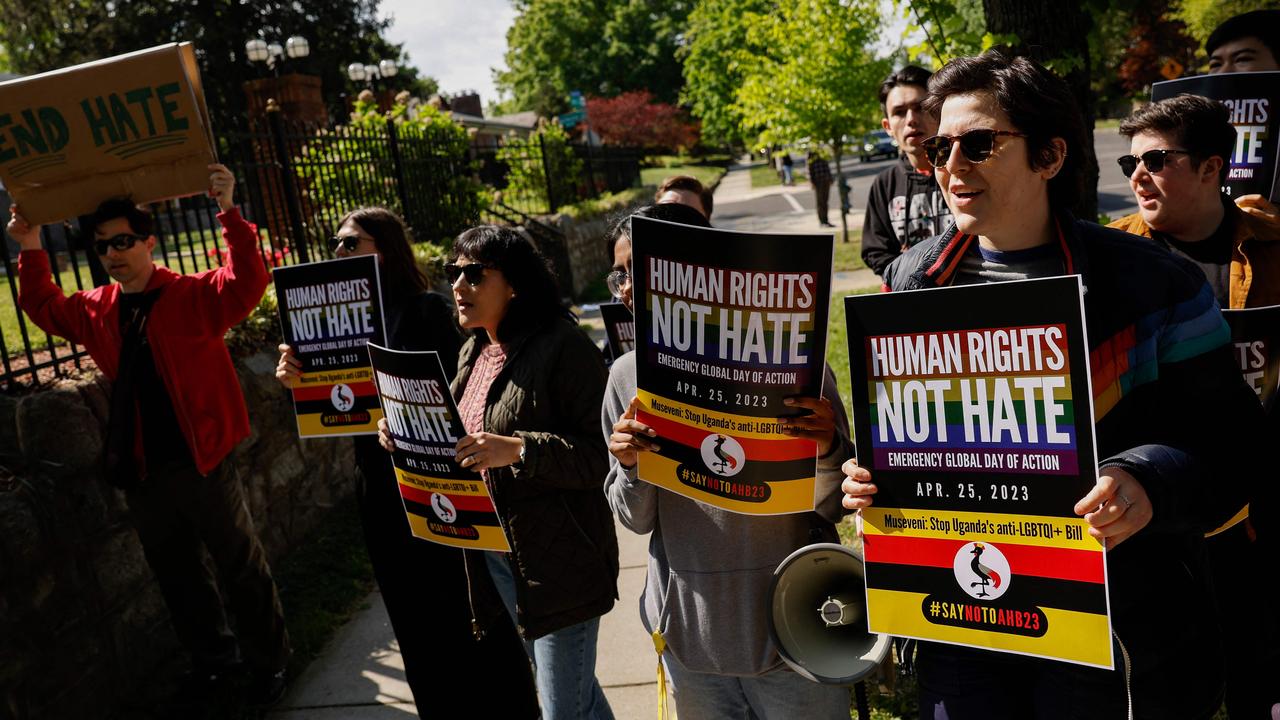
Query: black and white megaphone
818,616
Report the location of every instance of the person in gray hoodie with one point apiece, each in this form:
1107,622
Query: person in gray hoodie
709,569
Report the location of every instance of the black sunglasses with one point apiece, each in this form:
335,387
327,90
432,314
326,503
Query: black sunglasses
121,242
1153,160
473,272
350,242
977,145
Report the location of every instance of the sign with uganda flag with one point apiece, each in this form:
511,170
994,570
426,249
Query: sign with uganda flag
445,503
328,311
1252,99
973,411
728,325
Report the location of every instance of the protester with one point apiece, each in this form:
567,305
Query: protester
529,384
428,611
176,415
1168,473
709,569
1180,154
905,205
686,190
820,178
1245,43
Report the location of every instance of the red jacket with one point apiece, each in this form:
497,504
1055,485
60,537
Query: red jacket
185,331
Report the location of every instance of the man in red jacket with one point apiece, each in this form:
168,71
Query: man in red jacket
176,414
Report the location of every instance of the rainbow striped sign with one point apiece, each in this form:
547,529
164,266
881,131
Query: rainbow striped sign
445,503
973,411
728,325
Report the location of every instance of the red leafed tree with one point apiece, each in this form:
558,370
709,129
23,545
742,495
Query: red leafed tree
634,118
1156,38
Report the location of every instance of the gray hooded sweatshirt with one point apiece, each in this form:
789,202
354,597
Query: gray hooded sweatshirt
709,569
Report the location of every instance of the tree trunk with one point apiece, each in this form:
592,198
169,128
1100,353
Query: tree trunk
1050,30
844,220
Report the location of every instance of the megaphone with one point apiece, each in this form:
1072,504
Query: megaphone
818,616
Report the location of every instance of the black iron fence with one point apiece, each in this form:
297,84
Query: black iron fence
295,183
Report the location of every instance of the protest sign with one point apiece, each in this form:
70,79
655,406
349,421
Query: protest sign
1255,334
445,503
1253,99
729,324
977,428
619,328
133,125
328,311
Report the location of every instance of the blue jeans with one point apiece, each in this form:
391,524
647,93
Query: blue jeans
777,695
564,661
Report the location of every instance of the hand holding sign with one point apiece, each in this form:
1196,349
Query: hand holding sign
222,186
857,487
289,369
26,234
819,426
631,437
1120,507
482,450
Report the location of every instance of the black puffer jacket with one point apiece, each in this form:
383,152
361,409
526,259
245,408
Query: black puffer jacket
553,507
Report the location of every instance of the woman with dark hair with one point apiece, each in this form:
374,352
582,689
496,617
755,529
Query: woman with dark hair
529,386
423,584
1176,426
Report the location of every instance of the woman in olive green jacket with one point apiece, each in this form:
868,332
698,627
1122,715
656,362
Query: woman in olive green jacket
529,388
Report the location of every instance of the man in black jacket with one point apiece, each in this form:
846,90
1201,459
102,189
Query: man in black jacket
905,205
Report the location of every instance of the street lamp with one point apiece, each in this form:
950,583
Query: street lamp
259,50
360,72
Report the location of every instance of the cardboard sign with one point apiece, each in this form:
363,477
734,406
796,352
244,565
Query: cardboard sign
619,328
1254,100
328,312
977,428
134,126
728,325
445,503
1255,335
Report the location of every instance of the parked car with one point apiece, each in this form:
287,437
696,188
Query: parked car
877,144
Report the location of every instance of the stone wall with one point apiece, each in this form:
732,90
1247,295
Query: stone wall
589,259
82,622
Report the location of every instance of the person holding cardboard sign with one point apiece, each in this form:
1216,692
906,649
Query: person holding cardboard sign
1174,421
176,415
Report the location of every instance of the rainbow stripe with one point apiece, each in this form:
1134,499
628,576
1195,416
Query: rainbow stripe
1132,356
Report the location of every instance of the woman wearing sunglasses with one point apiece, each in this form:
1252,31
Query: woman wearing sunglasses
423,584
529,386
1008,158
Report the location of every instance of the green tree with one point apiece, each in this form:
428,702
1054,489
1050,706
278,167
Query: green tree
1202,16
813,76
599,47
716,47
42,35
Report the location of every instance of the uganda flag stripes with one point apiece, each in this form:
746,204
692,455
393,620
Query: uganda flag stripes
328,312
728,325
445,504
977,430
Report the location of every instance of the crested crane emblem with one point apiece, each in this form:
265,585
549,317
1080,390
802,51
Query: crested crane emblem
342,397
981,570
723,455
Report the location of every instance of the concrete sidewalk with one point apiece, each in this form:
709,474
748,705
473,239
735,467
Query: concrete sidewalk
360,676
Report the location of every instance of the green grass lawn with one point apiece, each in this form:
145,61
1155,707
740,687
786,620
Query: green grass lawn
849,254
766,176
706,174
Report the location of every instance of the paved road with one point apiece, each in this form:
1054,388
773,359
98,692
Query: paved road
1114,196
